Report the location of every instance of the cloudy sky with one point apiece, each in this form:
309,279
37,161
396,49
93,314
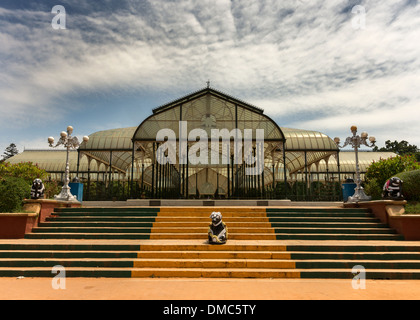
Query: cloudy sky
318,65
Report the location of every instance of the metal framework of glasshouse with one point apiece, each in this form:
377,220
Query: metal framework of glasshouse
287,153
297,163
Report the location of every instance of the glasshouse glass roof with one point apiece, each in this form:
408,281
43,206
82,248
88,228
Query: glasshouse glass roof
114,139
208,109
348,161
298,140
54,161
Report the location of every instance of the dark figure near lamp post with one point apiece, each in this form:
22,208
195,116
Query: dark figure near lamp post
37,190
393,189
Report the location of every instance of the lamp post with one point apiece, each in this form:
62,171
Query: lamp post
68,142
356,141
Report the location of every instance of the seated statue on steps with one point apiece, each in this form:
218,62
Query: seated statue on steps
393,189
218,232
37,190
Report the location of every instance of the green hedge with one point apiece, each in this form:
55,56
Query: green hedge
411,184
12,192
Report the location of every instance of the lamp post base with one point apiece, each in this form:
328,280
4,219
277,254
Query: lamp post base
65,195
359,196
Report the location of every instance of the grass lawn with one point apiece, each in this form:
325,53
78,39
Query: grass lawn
412,208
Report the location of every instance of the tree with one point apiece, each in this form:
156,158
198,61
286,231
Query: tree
10,151
401,148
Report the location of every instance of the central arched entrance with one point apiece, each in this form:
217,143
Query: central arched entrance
227,177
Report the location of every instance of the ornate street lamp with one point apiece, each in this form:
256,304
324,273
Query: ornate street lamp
356,141
68,142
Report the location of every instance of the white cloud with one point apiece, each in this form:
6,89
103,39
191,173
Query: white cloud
299,60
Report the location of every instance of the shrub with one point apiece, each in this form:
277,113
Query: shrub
281,190
382,170
373,189
52,188
411,184
25,170
325,191
12,192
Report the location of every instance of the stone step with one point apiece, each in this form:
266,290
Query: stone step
277,255
46,272
109,209
194,246
206,219
174,224
232,236
90,236
211,209
68,254
324,219
319,214
315,209
247,246
165,214
409,274
67,263
190,224
213,255
102,219
105,245
203,230
206,210
360,237
32,254
210,263
106,214
207,214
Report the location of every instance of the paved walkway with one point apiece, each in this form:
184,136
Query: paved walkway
206,289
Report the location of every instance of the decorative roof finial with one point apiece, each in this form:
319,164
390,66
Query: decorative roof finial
208,84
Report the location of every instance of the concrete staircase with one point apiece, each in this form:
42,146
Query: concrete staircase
192,223
171,242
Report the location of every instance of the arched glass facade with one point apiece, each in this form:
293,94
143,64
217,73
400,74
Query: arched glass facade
295,162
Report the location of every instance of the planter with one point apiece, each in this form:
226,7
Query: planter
392,213
405,224
16,225
378,207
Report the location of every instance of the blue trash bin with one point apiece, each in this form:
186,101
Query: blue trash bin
348,190
76,189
